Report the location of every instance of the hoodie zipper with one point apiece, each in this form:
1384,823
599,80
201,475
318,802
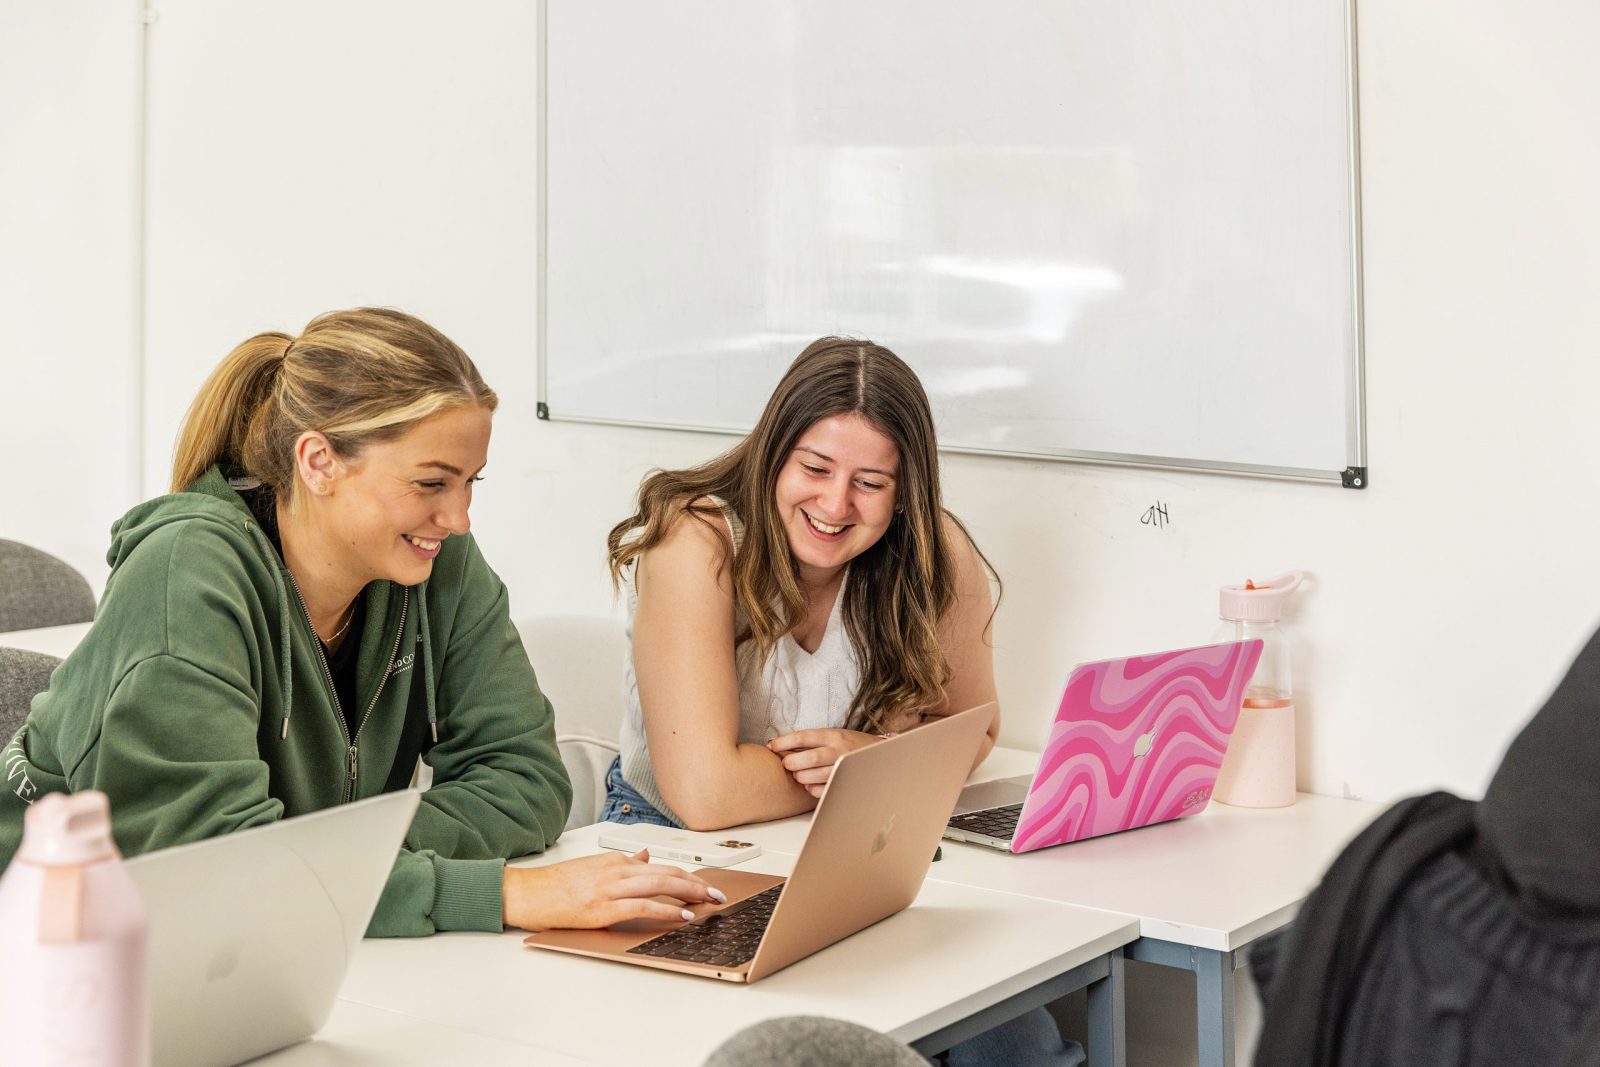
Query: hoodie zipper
352,752
405,603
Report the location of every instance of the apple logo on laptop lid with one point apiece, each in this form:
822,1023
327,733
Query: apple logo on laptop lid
880,841
1141,747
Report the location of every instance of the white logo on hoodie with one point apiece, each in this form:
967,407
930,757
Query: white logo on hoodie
15,762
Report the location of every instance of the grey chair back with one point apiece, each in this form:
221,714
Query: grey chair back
23,675
36,589
814,1041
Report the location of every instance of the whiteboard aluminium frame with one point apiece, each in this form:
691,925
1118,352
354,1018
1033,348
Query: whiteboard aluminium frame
1352,476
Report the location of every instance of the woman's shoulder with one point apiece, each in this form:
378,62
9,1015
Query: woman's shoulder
184,585
702,525
960,544
975,580
196,549
694,553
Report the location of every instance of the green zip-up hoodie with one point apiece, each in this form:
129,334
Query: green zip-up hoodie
200,704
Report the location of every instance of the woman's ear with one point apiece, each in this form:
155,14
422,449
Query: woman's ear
316,464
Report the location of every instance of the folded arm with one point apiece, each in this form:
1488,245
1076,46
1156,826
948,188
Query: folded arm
683,657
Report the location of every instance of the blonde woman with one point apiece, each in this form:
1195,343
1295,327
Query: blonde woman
306,614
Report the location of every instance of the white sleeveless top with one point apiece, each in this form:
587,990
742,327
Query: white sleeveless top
792,690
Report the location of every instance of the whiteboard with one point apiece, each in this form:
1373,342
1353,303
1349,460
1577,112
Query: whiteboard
1120,231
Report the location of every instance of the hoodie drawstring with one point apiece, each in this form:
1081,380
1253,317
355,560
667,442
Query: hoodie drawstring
427,665
285,671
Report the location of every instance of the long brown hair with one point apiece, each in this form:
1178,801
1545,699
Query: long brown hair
899,589
358,376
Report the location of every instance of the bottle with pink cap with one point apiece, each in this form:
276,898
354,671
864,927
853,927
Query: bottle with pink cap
1258,770
73,984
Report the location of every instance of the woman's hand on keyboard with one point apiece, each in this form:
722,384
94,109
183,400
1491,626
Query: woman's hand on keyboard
600,890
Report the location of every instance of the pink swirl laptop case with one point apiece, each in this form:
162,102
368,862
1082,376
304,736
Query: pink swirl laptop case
1135,741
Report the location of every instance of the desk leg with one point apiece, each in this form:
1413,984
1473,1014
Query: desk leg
1213,992
1108,1020
1213,987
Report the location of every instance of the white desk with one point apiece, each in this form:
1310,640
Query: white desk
1195,892
55,641
360,1036
1201,888
959,960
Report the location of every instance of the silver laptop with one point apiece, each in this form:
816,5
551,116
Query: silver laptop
250,933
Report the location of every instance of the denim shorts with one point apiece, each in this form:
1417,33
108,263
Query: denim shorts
625,805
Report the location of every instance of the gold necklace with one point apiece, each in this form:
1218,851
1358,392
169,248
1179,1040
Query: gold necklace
349,617
349,611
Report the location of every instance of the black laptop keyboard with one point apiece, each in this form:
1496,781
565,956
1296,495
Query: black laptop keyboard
991,822
724,939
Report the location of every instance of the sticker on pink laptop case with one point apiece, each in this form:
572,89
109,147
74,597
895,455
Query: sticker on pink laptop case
1136,741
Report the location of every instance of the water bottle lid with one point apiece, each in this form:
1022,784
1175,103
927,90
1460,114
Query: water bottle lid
62,830
1260,601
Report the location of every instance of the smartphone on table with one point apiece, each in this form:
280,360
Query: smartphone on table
718,849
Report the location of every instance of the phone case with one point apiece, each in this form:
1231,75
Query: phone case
680,846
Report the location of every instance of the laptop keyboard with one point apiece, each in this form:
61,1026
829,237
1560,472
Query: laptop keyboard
724,939
990,822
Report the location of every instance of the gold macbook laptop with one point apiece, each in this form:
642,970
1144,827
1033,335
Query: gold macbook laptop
864,858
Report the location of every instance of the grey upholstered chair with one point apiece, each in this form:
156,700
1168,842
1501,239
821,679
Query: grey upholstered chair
812,1041
36,589
23,675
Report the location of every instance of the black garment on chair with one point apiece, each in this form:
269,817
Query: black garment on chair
1310,973
1539,823
1457,933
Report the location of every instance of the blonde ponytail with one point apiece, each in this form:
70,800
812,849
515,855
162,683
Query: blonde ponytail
358,377
219,420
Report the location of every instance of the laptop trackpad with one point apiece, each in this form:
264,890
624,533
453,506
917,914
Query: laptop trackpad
995,794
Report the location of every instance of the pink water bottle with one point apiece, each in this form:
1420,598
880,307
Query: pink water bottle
1258,770
73,984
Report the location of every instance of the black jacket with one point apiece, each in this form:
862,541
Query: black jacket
1451,932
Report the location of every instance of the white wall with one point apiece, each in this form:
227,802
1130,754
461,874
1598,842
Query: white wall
303,157
69,272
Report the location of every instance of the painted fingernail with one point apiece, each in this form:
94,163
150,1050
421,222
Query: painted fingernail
717,895
687,914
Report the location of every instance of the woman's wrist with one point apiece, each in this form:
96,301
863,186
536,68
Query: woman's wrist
518,894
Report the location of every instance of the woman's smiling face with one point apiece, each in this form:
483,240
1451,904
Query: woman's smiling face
393,505
836,493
